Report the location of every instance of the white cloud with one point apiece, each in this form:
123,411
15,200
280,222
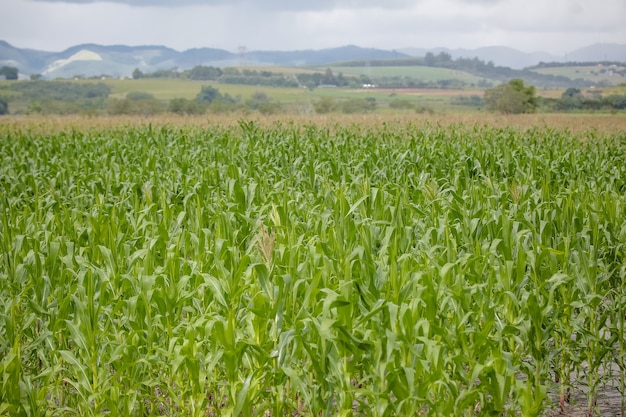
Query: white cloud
556,26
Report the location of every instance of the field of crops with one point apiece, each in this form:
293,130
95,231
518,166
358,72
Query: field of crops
310,270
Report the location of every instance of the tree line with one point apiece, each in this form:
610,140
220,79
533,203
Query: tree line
515,97
474,66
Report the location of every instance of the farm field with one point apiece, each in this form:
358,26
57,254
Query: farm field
292,101
594,73
422,73
313,266
167,89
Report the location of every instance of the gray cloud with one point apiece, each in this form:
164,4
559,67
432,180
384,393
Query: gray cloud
268,5
555,26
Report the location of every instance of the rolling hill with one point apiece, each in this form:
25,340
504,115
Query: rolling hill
91,60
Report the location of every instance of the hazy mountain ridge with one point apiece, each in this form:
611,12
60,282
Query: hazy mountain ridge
509,57
120,60
499,55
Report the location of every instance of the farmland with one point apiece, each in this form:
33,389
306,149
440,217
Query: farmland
422,73
592,73
277,268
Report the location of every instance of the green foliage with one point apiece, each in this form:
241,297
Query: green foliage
324,105
512,98
261,102
134,106
401,103
616,101
137,74
162,73
307,270
269,107
356,105
226,106
572,98
57,97
61,90
262,78
473,101
9,73
135,103
139,95
474,66
203,73
208,94
327,78
186,106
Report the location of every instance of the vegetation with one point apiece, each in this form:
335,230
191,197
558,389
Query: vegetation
573,99
260,78
148,96
136,103
203,73
246,76
9,73
476,67
58,97
512,98
186,106
308,270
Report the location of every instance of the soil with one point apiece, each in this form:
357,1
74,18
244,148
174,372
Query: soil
608,401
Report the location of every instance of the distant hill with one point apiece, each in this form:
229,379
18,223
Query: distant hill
320,57
28,61
89,60
499,55
509,57
598,52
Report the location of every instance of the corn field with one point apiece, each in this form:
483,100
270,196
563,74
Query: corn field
306,270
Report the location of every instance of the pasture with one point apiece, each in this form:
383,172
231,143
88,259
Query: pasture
594,74
422,73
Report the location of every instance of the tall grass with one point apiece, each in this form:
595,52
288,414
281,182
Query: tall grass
251,270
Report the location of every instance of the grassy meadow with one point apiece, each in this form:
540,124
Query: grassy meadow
423,73
354,266
592,73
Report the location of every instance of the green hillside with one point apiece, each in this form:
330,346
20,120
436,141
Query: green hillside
423,73
595,74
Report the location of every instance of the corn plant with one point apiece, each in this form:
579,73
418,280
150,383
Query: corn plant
308,270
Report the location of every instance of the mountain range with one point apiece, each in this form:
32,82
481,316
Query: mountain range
90,60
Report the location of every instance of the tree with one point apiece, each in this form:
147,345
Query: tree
137,74
324,105
616,101
127,105
512,98
10,73
572,98
185,106
202,73
429,59
208,94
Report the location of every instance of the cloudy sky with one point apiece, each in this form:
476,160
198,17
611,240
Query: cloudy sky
555,26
